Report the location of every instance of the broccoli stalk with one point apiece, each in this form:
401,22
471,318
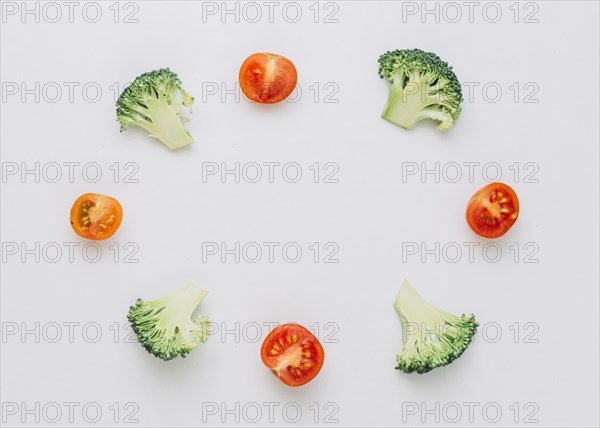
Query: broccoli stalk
165,327
422,86
165,123
431,336
153,102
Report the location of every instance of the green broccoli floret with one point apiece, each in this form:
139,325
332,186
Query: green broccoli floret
422,87
431,337
165,326
153,101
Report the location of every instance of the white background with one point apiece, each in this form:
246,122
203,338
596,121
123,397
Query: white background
170,212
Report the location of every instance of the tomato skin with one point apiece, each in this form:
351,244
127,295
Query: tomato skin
267,78
293,354
95,216
493,210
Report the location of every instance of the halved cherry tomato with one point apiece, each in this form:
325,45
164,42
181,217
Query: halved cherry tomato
96,216
267,78
293,354
493,210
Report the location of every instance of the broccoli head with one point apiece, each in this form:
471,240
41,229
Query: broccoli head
153,101
165,326
422,87
431,337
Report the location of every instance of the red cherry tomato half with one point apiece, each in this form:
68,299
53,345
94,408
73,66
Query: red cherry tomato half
293,354
95,216
267,78
493,210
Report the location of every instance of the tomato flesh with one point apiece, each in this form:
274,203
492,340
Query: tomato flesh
293,354
267,78
95,216
493,210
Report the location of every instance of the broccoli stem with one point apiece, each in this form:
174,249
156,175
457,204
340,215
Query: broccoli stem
166,124
404,104
178,304
412,308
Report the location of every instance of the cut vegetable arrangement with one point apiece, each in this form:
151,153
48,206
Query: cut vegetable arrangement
431,337
165,326
422,86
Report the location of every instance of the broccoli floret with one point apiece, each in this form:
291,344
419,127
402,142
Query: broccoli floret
165,326
422,87
153,101
431,337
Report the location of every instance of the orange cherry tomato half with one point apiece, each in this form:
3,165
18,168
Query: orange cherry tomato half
293,354
493,210
267,78
96,216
